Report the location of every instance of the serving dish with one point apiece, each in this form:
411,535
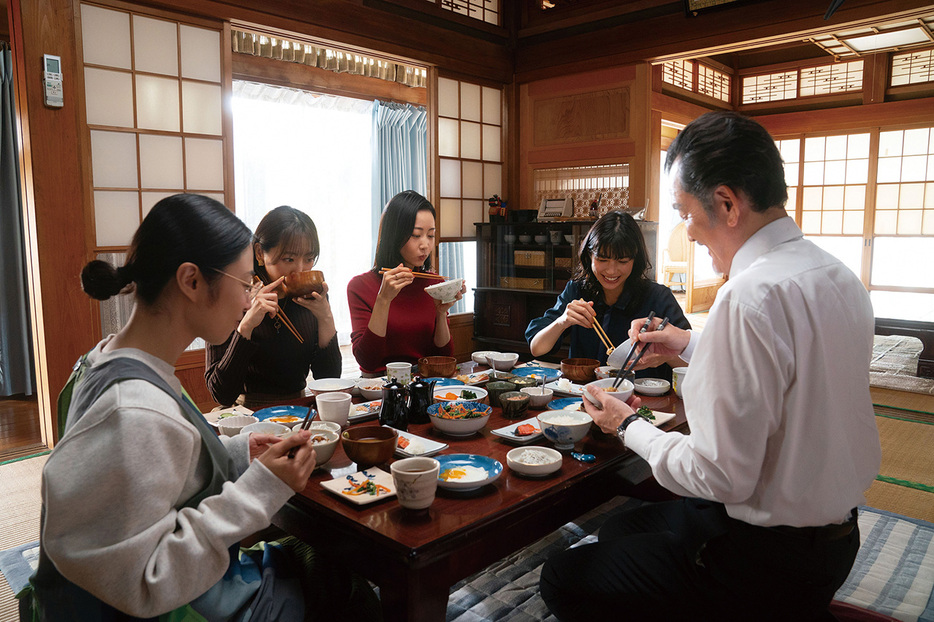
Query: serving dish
565,388
288,415
463,426
414,442
566,403
364,411
443,382
509,432
477,377
536,373
213,416
463,471
458,392
327,385
370,388
376,485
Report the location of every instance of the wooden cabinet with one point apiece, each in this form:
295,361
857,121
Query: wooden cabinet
521,269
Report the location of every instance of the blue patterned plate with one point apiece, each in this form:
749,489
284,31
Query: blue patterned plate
565,403
536,372
444,382
265,414
463,471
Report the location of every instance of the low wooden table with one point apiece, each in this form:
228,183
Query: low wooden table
415,558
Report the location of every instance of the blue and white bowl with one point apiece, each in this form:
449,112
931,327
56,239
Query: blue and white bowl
564,428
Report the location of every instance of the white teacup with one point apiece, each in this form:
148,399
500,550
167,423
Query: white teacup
400,371
416,480
677,379
334,406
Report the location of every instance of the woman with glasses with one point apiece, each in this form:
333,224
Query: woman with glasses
144,506
263,362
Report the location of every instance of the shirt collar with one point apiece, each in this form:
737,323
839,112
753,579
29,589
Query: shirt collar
762,241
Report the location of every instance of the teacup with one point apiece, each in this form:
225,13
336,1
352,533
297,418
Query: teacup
334,406
400,371
677,379
416,480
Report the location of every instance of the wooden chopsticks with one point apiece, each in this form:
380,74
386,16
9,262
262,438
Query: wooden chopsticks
288,324
423,275
603,337
304,426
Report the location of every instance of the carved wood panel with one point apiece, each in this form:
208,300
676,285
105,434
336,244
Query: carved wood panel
584,117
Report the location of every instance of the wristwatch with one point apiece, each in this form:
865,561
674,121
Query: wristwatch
621,430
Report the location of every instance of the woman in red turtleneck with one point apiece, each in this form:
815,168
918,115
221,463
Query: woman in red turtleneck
393,318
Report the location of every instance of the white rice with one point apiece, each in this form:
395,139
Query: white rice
533,457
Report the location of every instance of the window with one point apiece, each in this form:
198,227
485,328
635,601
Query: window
697,77
913,67
826,79
312,152
483,10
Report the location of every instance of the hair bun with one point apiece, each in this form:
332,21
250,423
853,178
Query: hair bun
100,280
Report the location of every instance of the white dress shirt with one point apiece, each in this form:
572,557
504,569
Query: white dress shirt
777,390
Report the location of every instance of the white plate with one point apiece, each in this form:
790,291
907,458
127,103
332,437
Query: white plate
458,390
214,416
332,384
364,411
661,418
575,390
509,434
342,486
534,470
493,468
431,447
478,377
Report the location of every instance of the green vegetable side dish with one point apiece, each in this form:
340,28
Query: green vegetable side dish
646,412
468,395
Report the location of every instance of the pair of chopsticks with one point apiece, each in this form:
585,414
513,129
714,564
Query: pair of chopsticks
305,423
288,324
603,337
623,371
423,275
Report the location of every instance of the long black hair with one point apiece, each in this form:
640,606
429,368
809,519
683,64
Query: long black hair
178,229
616,235
396,226
289,229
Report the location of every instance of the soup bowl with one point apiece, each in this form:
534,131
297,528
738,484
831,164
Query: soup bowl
298,284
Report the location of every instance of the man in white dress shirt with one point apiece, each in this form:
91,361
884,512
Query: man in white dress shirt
783,439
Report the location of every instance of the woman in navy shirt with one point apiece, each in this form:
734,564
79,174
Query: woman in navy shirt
608,287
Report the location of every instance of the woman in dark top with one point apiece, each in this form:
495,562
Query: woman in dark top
262,363
608,287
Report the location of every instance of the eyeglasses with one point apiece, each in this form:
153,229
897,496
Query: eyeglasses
250,289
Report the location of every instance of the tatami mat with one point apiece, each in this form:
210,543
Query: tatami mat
905,501
20,505
906,451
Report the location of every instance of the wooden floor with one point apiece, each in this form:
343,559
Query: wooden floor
19,427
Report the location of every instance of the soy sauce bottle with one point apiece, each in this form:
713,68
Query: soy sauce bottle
394,410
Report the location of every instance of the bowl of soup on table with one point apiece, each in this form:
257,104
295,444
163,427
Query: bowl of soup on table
298,284
369,445
579,369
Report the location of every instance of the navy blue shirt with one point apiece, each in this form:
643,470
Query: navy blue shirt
615,321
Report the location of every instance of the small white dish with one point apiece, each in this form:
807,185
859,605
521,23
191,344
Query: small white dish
370,388
231,426
538,396
661,418
477,377
480,356
534,461
325,425
502,361
328,385
623,393
606,371
415,443
348,487
509,432
565,387
213,416
445,292
652,386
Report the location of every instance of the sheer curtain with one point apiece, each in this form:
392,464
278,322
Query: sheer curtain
17,374
312,152
400,156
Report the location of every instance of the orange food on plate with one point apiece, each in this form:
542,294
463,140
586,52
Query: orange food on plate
526,429
403,442
450,396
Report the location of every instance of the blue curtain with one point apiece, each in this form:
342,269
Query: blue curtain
400,154
17,373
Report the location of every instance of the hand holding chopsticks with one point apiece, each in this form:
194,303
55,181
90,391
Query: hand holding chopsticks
422,275
623,370
304,426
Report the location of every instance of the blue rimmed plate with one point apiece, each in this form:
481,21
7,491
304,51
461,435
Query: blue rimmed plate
273,412
536,372
444,382
565,403
467,471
